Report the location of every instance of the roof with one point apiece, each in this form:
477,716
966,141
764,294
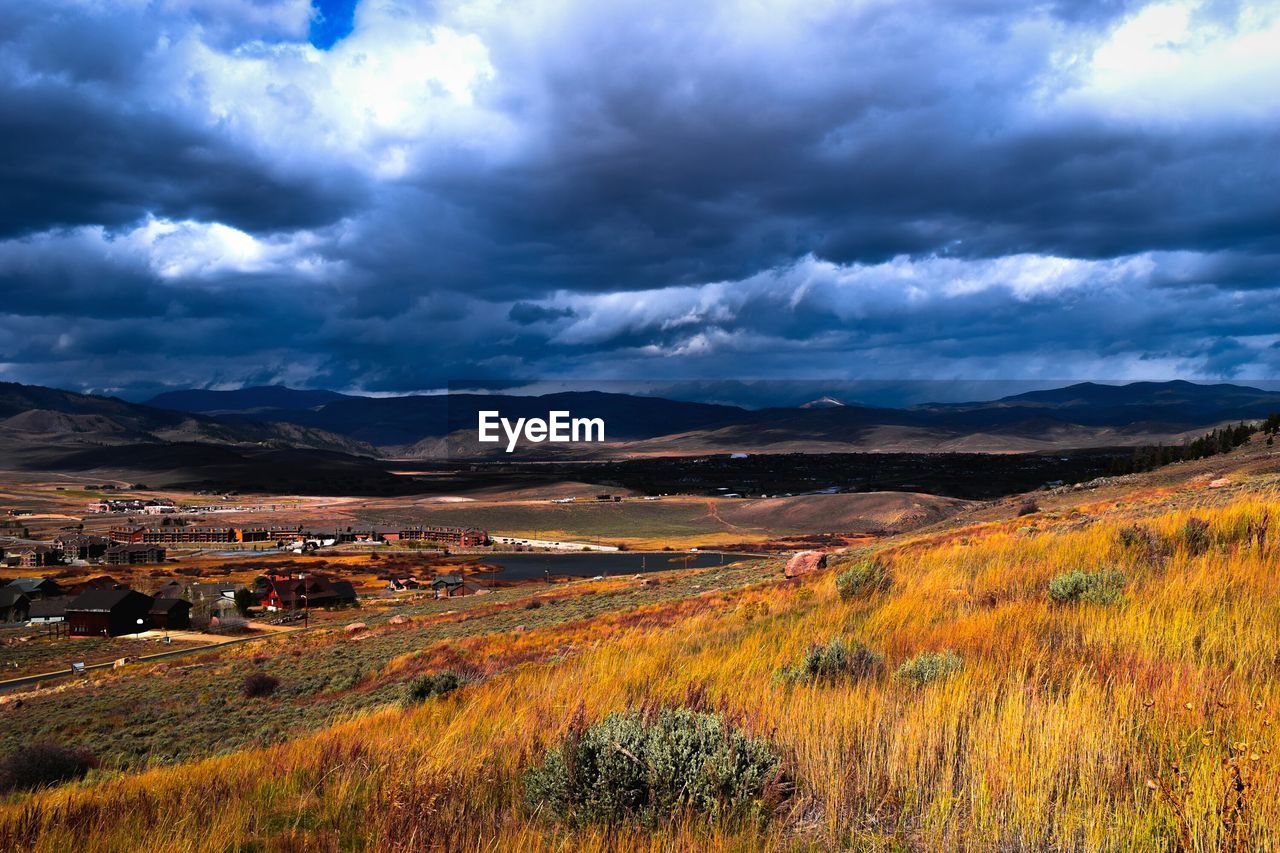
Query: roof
164,605
47,607
447,580
80,539
30,584
9,597
101,582
29,549
104,600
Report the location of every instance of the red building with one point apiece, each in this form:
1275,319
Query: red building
108,613
133,555
305,592
466,537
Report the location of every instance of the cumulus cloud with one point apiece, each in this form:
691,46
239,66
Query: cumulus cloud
467,189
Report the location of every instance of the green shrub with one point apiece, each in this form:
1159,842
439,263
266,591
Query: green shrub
1195,535
1105,587
258,684
42,764
650,768
863,579
835,661
930,666
426,687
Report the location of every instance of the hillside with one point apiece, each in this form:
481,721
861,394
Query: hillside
444,425
1135,714
38,422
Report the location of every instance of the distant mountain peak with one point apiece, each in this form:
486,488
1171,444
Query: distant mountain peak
255,398
824,402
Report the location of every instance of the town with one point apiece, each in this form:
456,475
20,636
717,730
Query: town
104,606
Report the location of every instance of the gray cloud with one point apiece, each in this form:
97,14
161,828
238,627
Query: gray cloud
660,189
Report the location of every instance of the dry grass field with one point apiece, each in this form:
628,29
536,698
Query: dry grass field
1114,687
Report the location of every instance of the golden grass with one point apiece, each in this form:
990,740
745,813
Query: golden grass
1141,725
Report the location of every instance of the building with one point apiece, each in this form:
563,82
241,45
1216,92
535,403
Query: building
349,535
14,606
302,592
200,534
100,582
82,546
32,556
174,534
108,613
464,537
170,614
396,584
134,555
36,588
207,599
47,611
451,586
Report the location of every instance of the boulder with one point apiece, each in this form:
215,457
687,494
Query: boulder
399,619
1219,483
805,562
355,627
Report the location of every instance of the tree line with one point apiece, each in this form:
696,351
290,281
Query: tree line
1221,440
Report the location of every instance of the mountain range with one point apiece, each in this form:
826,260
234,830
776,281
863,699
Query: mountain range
1081,415
50,429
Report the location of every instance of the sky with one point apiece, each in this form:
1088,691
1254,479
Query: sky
389,196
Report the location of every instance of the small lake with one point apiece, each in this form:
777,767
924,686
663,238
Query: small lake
533,566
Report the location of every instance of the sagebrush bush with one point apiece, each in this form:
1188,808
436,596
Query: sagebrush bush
259,684
1104,587
651,768
1028,507
1195,535
930,666
426,687
1144,542
835,661
41,765
863,579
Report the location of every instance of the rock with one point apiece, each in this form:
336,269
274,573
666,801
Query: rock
399,619
648,582
805,562
122,662
519,629
1219,483
355,627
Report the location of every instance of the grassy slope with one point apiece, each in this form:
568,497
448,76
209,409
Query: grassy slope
685,521
1047,739
192,707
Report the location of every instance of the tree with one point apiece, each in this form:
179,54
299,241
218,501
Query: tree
244,600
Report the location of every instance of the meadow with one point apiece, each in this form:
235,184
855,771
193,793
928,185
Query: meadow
1131,714
192,706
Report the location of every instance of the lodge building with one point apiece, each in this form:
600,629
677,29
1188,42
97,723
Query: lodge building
465,537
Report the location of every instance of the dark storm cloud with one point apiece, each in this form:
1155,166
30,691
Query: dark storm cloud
526,313
82,142
656,189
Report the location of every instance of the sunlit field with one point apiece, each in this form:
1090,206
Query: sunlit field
1139,719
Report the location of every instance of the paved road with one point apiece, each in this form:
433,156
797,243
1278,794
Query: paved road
27,680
